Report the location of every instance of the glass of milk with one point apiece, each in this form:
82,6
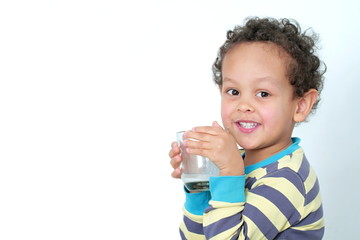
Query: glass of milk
196,170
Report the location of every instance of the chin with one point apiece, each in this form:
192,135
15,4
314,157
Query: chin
247,145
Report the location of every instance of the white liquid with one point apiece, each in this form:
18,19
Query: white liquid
196,182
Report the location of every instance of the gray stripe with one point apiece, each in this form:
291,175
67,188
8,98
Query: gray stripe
192,226
182,235
282,202
312,193
245,229
208,209
304,169
236,236
261,221
272,167
249,182
290,175
301,235
222,225
312,217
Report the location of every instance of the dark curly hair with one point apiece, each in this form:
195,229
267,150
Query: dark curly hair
305,70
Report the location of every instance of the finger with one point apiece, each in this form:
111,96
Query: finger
176,173
215,129
197,144
175,150
197,136
216,125
198,151
175,146
227,124
175,161
203,136
205,129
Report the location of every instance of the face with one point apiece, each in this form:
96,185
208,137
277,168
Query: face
258,103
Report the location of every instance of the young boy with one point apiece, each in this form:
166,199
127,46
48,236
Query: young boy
269,80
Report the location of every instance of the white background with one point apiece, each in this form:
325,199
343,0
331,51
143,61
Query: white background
92,93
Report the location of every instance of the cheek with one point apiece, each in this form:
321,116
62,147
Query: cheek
275,115
270,116
226,111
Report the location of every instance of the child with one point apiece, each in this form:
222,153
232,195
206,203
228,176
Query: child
269,80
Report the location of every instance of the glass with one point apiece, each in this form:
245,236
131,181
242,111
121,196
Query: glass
196,170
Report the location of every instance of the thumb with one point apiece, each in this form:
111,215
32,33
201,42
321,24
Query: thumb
216,125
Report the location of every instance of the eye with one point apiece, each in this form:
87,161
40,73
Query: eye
233,92
263,94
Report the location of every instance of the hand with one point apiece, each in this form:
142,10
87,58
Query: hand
218,145
175,161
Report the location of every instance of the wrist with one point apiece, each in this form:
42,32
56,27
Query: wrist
232,171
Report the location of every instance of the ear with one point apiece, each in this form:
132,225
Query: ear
305,104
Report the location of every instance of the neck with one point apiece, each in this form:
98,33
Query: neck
253,156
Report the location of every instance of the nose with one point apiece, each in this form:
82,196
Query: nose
245,106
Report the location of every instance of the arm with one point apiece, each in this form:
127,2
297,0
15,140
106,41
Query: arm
271,206
192,225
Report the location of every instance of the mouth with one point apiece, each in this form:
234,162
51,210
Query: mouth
247,126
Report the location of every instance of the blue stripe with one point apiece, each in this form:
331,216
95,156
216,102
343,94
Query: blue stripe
245,230
282,202
261,221
304,169
312,217
222,225
301,235
208,209
182,235
311,195
192,226
293,147
272,167
249,182
236,236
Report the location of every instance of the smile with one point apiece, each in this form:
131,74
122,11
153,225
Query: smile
247,127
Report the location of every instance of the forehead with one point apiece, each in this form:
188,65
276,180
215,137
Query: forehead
259,47
255,59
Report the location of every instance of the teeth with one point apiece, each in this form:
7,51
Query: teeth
247,124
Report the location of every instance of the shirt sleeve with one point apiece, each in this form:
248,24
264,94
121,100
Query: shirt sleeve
229,189
272,205
194,208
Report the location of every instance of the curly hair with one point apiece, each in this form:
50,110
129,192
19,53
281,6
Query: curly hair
304,70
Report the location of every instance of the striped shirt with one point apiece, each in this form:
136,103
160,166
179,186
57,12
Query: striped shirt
279,198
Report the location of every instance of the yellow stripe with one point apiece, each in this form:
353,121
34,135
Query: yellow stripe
226,210
270,210
310,181
314,204
294,163
284,162
314,226
259,173
193,217
288,189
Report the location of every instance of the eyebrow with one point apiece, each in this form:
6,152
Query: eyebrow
257,80
228,80
260,79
